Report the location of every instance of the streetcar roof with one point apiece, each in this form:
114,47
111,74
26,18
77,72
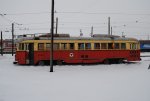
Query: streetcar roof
83,38
95,38
89,38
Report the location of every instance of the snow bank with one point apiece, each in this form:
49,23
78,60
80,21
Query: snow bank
116,82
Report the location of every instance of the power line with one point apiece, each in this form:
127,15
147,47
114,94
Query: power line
29,13
104,13
77,12
81,27
9,20
89,23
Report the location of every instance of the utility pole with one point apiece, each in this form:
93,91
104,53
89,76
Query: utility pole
123,34
111,30
108,25
1,43
81,34
92,31
12,39
56,25
52,39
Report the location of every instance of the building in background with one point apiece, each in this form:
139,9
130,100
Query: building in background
7,46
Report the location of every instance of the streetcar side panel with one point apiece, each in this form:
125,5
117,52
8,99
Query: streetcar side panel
78,51
21,57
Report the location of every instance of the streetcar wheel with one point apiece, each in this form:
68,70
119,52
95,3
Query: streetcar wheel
106,61
120,61
41,63
59,62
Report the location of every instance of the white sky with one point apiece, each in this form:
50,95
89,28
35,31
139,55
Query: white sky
129,16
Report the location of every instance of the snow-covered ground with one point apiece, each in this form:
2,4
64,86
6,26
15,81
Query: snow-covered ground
116,82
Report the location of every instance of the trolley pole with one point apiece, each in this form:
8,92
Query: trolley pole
1,43
56,25
12,39
52,39
108,25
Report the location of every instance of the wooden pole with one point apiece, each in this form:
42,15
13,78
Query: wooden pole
111,30
108,25
56,25
92,31
1,43
52,39
12,39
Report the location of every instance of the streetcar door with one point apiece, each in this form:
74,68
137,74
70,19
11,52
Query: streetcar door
31,53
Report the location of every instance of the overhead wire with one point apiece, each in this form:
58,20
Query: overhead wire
78,12
63,22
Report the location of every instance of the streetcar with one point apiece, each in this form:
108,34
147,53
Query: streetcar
144,45
78,50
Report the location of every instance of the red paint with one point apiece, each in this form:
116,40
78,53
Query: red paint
21,57
80,56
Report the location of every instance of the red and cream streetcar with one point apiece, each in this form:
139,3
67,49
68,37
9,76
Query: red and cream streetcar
97,49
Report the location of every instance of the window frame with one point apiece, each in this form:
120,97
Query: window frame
81,46
87,46
48,48
106,46
97,46
116,45
70,46
123,48
39,47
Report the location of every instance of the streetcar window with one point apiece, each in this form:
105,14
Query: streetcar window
87,45
96,45
56,46
116,46
123,46
81,46
63,46
48,46
71,45
103,45
41,46
26,47
110,45
134,46
21,46
130,46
